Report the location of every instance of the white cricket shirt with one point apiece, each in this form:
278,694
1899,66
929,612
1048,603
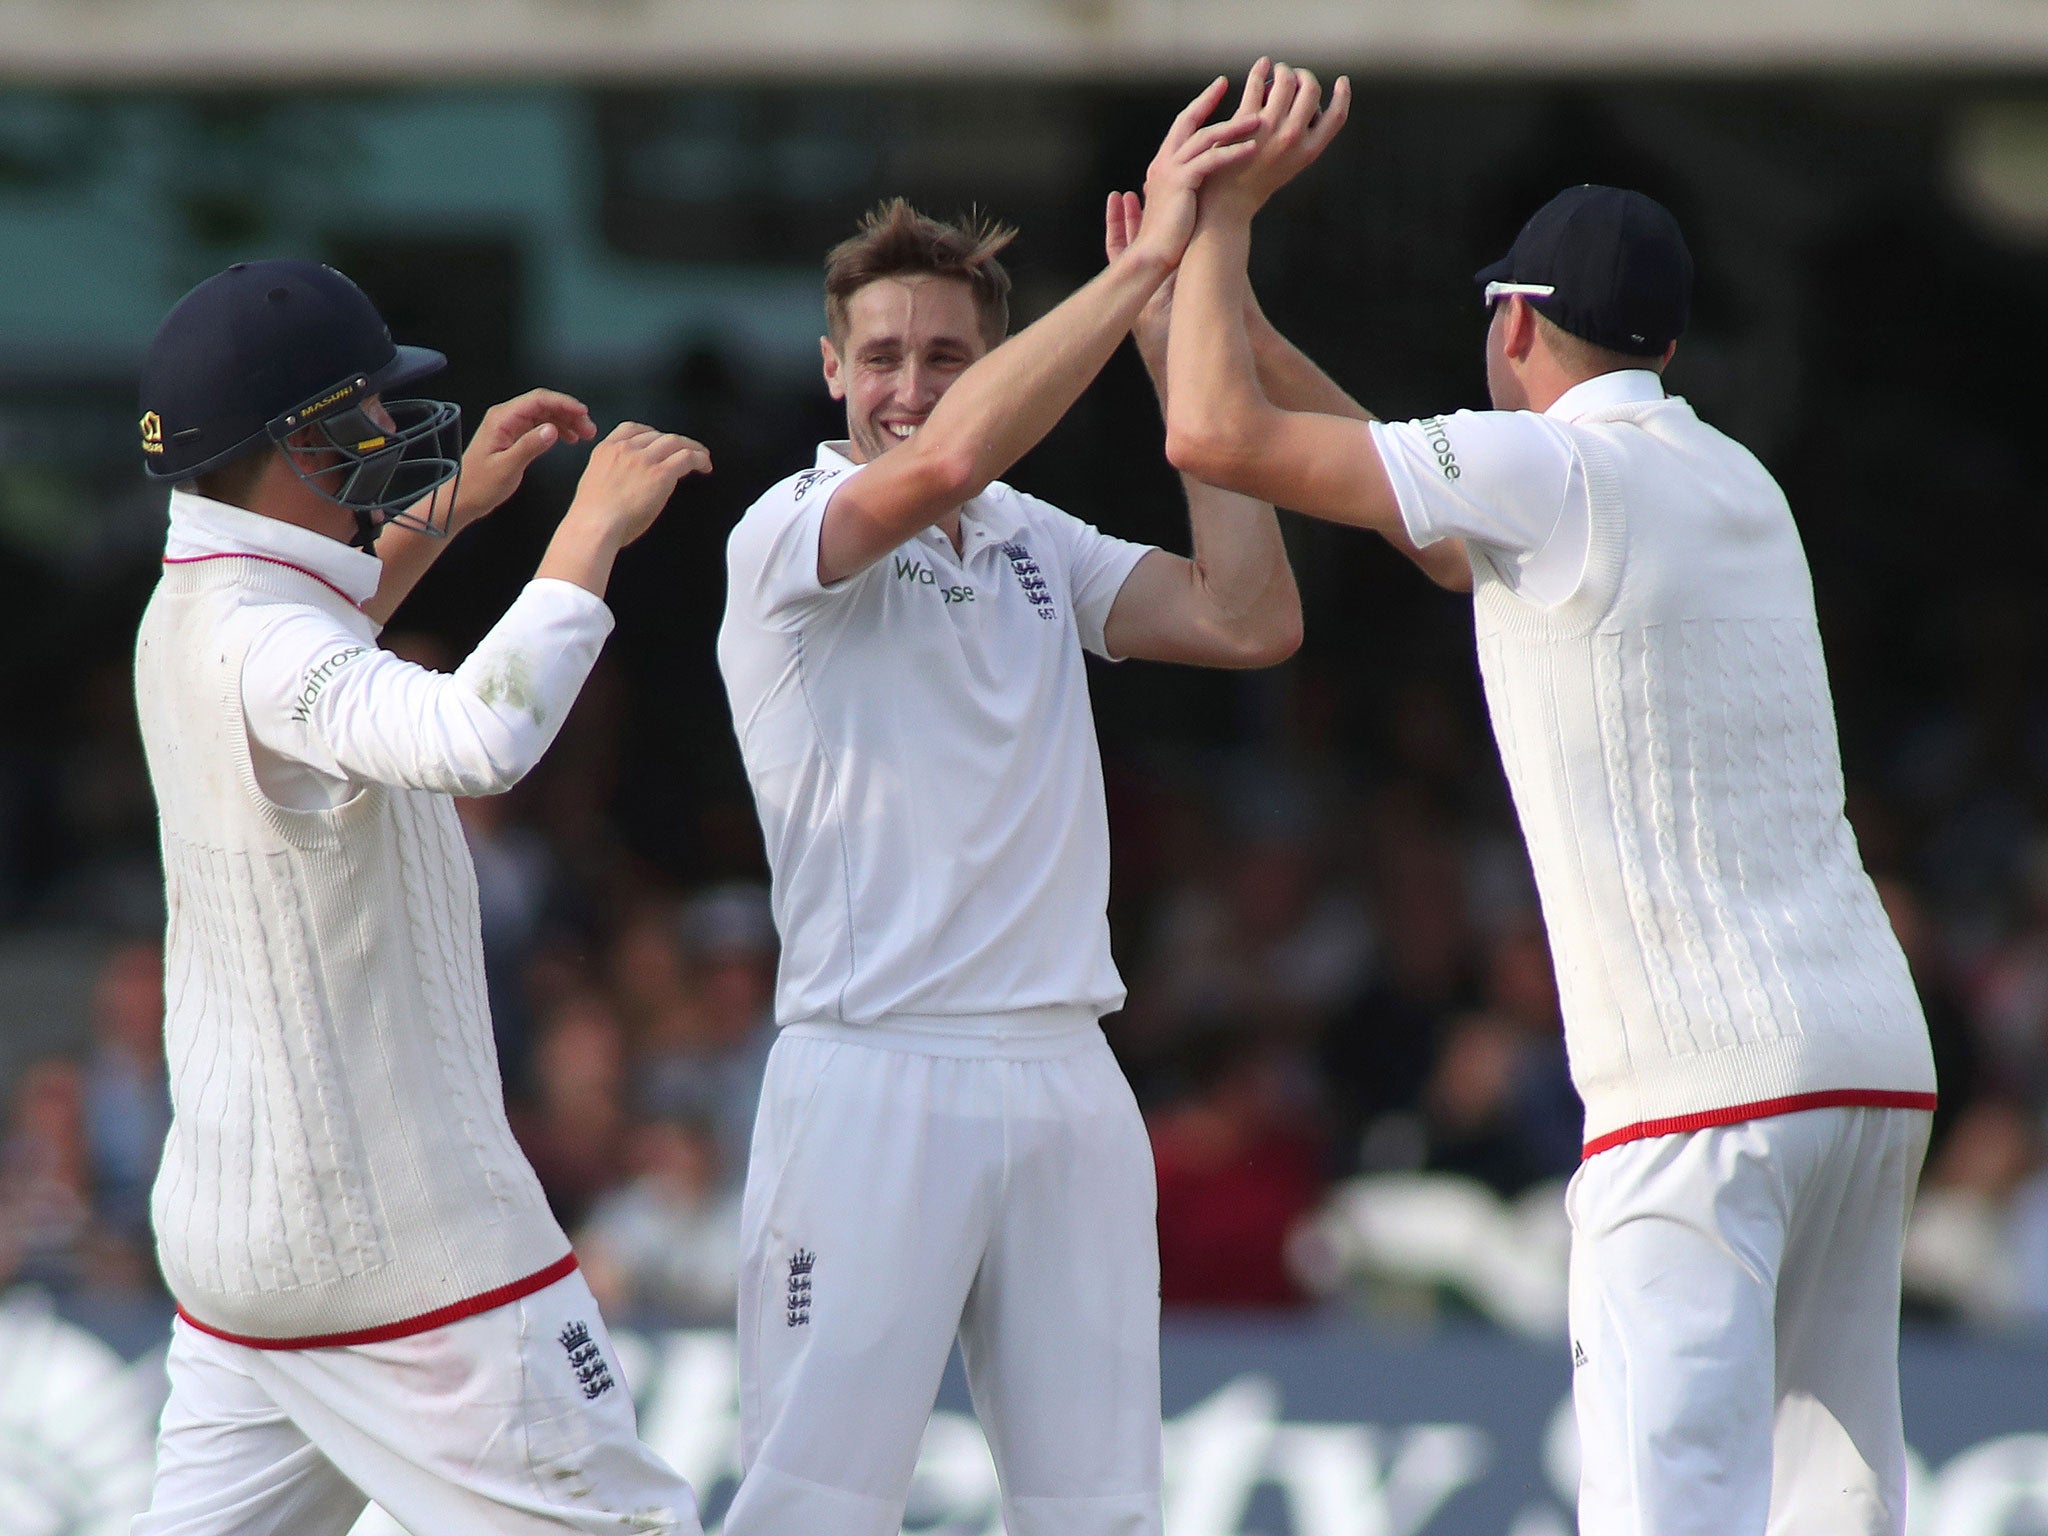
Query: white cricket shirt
923,757
1513,481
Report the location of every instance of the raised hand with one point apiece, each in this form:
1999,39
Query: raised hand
1122,220
629,479
1294,128
506,442
1189,155
510,437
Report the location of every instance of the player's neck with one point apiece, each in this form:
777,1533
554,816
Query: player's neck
1545,383
282,495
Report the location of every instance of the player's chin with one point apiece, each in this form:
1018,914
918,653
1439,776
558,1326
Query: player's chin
877,441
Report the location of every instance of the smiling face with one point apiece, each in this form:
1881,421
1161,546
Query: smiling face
907,339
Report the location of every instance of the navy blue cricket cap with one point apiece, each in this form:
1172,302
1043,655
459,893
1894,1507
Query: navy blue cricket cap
257,351
1615,263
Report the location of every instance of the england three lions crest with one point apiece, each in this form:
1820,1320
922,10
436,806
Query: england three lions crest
1031,579
799,1292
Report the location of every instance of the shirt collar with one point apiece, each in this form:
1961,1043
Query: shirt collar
990,518
201,529
993,517
1625,386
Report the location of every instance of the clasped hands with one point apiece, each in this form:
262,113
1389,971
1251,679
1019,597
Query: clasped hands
1280,129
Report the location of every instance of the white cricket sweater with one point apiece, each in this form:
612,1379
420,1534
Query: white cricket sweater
339,1166
1669,737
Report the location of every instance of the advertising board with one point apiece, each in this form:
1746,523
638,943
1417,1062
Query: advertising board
1274,1428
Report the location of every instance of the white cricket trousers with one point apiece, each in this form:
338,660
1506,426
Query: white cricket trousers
1735,1327
484,1427
911,1183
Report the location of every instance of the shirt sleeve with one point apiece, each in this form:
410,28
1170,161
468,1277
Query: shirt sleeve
1097,565
772,556
316,693
1500,478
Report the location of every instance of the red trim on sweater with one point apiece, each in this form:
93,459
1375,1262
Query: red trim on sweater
1833,1098
438,1318
267,560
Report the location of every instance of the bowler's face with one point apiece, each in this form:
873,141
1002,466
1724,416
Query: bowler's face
907,340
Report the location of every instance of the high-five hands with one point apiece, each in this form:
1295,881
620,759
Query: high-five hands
1294,128
1122,219
1278,131
1190,154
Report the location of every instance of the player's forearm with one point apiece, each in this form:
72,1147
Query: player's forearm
999,409
1152,353
1289,377
406,555
1238,569
526,674
1445,562
1215,408
1241,567
352,711
581,552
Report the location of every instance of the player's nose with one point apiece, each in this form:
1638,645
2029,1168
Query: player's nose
918,386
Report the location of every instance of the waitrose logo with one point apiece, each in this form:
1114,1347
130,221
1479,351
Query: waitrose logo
314,683
1439,438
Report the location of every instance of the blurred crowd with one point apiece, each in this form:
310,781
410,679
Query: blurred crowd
1342,1027
1342,1024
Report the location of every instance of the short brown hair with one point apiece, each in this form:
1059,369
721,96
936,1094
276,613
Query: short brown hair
895,240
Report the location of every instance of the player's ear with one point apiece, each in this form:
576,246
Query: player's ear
833,368
1519,339
304,442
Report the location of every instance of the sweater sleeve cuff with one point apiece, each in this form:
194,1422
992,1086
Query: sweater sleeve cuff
564,600
530,667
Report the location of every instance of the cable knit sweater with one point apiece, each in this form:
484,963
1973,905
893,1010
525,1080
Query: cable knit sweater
1670,741
339,1165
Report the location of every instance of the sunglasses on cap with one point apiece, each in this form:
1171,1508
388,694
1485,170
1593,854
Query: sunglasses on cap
1494,292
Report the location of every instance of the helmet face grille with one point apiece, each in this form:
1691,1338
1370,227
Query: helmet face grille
397,470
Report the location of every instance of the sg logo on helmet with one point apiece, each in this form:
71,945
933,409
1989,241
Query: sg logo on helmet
152,432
